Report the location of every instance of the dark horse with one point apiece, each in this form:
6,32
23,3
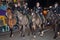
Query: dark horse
52,22
50,19
57,26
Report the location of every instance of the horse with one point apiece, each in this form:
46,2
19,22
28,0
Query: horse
57,26
23,23
11,20
52,22
49,20
36,23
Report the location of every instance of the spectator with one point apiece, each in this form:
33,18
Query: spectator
3,6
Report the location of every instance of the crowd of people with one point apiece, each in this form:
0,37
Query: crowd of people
38,9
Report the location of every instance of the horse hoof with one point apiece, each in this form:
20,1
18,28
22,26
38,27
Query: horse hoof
58,33
41,35
38,33
54,37
23,35
34,36
11,35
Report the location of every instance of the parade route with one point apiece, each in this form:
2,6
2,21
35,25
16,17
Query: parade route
47,36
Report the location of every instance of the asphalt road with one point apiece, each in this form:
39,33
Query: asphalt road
47,36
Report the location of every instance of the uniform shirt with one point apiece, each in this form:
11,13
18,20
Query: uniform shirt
25,10
38,9
56,10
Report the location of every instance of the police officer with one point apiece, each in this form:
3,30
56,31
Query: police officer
25,8
38,8
56,8
19,7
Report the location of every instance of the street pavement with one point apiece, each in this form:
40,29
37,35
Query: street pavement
47,36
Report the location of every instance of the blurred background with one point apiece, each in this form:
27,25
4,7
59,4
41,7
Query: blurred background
44,3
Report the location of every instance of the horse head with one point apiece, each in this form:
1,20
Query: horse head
9,14
20,14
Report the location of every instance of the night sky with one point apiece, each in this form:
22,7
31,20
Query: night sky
43,3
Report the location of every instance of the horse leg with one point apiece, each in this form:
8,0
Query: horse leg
11,32
53,27
30,26
34,30
38,29
18,26
28,29
55,35
20,29
23,31
56,32
41,29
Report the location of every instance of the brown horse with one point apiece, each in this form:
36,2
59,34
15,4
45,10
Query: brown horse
11,20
